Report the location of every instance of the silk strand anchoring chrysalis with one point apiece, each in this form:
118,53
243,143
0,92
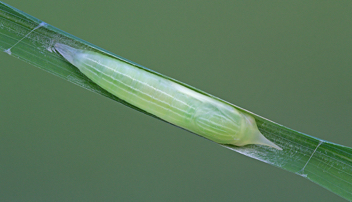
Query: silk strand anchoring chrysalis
166,99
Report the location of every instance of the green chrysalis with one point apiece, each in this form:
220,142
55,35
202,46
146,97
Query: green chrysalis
168,100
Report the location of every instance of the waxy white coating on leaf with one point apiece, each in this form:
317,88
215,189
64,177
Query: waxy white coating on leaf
166,99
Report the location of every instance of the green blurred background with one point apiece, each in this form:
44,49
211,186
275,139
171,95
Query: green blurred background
287,61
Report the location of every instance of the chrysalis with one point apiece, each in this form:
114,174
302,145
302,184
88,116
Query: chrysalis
166,99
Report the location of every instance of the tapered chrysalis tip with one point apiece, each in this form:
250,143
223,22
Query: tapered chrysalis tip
66,51
263,141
